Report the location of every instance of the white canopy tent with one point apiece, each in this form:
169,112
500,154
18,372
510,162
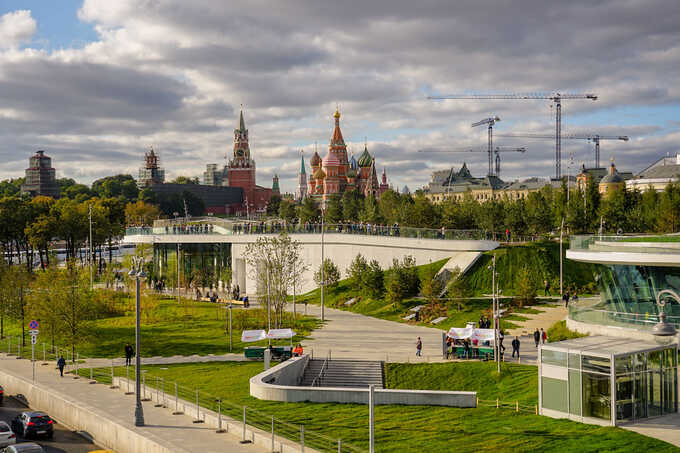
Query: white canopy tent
462,333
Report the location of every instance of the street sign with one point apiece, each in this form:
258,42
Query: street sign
33,332
34,339
33,324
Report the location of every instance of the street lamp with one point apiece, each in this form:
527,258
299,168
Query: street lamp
323,277
137,271
664,331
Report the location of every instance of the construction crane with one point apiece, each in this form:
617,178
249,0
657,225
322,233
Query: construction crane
555,97
595,138
496,152
490,122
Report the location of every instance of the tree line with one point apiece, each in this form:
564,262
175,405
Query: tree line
540,213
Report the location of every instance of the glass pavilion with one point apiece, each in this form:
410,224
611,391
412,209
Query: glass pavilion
607,381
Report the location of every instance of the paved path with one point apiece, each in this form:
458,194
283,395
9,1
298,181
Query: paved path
176,432
549,315
664,428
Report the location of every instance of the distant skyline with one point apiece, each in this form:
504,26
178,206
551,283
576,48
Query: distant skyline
95,82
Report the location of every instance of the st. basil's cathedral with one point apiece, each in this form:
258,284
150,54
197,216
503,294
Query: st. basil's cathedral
335,174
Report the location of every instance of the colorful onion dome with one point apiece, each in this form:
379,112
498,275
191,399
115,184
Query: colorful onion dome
319,174
316,160
365,159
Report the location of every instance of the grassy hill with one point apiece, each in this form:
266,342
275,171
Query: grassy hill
540,259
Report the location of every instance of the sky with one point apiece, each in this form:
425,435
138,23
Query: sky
95,83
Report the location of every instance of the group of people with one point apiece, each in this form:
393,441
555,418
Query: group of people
541,336
484,322
184,228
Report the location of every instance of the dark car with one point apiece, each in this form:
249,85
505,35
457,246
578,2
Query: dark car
31,423
27,447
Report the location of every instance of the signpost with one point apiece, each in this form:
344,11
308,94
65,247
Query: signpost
33,325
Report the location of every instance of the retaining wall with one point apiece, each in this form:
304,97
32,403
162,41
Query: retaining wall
278,384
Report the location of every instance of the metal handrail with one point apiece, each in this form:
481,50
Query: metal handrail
321,372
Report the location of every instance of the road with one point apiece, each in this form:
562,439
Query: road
65,440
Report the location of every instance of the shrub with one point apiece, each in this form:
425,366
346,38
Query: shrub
331,274
459,289
402,280
526,289
559,332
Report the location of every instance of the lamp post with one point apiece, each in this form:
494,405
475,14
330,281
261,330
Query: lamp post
323,277
664,331
137,271
495,314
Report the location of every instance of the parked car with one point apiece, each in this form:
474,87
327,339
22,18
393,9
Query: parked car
2,393
24,447
32,423
7,436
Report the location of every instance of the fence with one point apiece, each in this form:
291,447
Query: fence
181,399
512,405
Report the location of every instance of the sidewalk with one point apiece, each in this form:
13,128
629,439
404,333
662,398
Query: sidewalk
173,432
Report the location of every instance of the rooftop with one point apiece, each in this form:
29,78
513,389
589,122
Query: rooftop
603,345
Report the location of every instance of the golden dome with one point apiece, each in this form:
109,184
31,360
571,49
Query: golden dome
336,115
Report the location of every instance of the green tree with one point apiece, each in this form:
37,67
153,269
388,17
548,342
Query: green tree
525,286
274,205
334,209
123,186
669,209
72,306
185,180
309,211
431,286
369,211
331,274
141,213
287,210
402,280
352,202
539,215
515,216
356,271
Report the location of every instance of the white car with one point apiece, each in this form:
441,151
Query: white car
7,437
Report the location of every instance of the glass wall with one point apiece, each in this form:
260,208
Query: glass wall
628,294
645,384
200,265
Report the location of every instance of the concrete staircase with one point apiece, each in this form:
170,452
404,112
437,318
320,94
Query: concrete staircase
344,373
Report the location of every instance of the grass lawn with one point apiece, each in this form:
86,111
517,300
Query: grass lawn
172,330
471,311
422,428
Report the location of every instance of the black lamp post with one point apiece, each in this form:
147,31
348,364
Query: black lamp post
137,271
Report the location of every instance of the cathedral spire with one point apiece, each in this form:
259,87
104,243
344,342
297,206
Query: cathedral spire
241,122
337,139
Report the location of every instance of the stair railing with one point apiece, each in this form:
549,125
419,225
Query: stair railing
322,372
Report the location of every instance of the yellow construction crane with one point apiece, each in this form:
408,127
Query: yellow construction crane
555,97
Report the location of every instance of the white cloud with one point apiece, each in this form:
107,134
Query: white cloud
16,27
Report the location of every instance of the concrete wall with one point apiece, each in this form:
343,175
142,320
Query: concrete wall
278,384
341,248
82,418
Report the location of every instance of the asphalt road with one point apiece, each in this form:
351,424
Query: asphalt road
65,440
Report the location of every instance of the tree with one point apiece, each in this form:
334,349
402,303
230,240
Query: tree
273,205
351,205
123,186
370,212
515,216
373,281
526,288
669,209
141,213
72,307
431,286
287,210
275,263
538,213
402,280
308,211
185,180
16,283
44,292
424,214
334,209
331,274
356,270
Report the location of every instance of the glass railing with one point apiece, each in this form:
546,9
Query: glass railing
208,225
601,315
626,243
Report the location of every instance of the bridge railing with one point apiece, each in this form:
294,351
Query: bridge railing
209,225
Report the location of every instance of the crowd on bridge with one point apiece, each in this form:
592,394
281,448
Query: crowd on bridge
186,228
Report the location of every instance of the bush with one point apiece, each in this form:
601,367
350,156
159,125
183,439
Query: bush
459,290
356,271
373,282
331,274
559,332
402,280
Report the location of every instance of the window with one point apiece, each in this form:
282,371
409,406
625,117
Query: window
596,364
558,358
554,393
596,395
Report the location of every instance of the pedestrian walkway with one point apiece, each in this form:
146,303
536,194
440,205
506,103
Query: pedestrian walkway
665,428
174,432
157,360
549,315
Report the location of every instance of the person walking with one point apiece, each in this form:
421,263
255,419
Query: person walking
546,288
544,335
419,347
565,297
501,337
515,347
537,337
61,363
129,353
